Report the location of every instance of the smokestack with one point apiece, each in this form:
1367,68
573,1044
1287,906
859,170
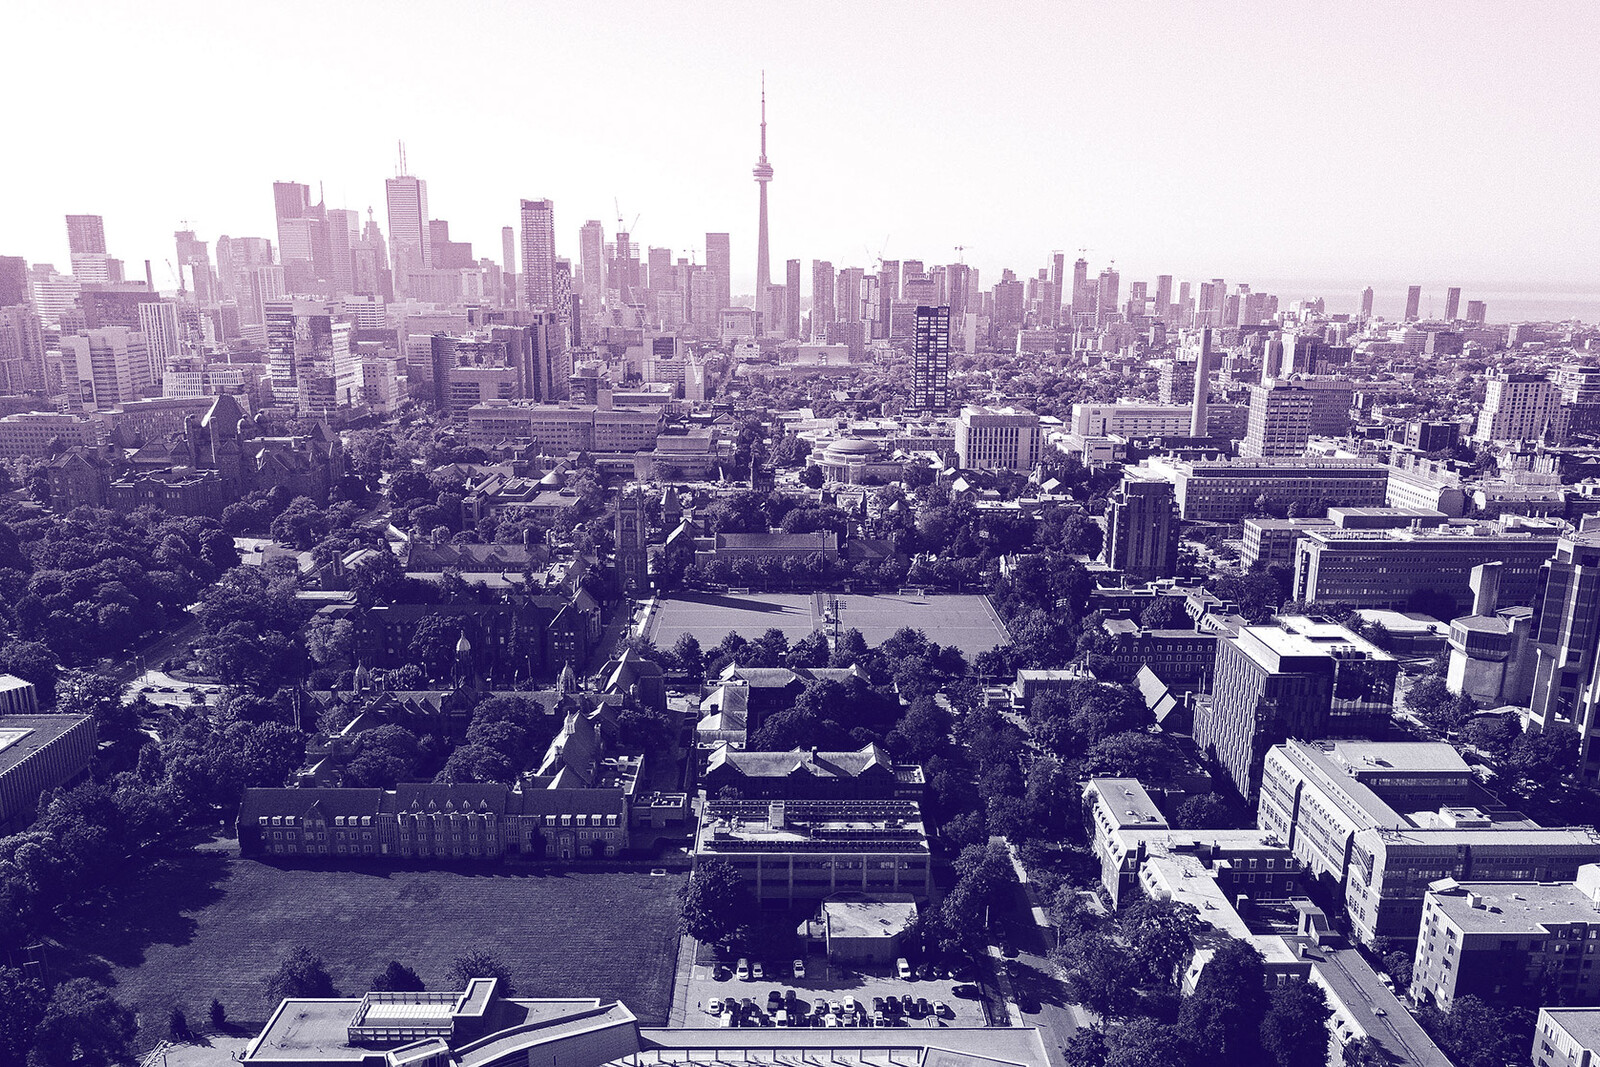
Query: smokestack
1202,386
149,278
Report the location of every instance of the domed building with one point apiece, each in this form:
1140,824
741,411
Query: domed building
856,461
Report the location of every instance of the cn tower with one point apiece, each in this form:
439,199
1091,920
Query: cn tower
763,175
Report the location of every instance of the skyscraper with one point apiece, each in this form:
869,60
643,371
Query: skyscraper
410,244
763,175
822,304
1142,525
1163,309
1106,295
1058,277
1280,420
719,260
1413,302
508,266
1366,304
193,254
1452,303
538,255
86,247
930,366
14,281
792,284
592,261
847,294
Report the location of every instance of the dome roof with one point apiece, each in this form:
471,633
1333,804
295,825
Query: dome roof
854,446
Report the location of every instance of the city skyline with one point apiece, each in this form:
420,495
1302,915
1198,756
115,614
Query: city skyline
1376,180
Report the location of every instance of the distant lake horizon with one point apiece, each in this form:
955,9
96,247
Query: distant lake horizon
1532,303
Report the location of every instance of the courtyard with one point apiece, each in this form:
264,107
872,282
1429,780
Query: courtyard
206,923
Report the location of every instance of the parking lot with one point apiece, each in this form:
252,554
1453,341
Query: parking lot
830,982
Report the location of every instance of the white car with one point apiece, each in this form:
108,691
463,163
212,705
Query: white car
756,974
742,972
903,969
715,1007
799,968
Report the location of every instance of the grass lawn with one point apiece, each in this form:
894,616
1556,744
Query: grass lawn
209,924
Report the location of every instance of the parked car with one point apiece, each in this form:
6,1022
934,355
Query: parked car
836,1008
878,1019
850,1004
928,972
942,1010
923,1007
877,1004
819,1008
756,974
799,968
830,1020
715,1007
774,1000
903,969
742,971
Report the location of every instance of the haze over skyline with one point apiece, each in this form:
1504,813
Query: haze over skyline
1437,143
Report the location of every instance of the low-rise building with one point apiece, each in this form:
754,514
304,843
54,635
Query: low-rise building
1227,490
1271,542
1378,822
1519,941
797,850
38,753
869,773
1180,657
478,1025
1567,1037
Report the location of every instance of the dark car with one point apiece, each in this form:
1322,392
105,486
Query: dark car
774,1000
967,991
923,1007
928,972
877,1004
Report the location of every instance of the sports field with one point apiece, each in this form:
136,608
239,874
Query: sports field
964,620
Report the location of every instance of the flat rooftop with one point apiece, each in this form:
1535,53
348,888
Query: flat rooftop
949,1046
868,918
1129,803
812,826
1514,907
23,735
1581,1024
1301,636
1377,757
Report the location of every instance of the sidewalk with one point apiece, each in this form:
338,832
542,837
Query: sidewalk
680,982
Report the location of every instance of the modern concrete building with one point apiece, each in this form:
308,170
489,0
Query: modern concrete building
1280,420
37,753
1227,490
565,427
1566,682
930,361
1271,542
1377,823
1303,677
990,438
796,850
1131,420
1410,568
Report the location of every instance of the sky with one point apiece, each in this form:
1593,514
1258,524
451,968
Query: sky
1313,144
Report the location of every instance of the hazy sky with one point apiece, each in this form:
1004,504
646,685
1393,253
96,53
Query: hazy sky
1435,142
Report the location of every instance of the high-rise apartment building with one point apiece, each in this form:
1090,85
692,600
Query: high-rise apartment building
309,357
410,243
1082,291
538,255
822,299
508,266
1413,303
1280,420
1516,407
930,367
1106,295
194,261
13,281
86,233
1366,304
791,278
1163,309
1302,677
86,248
1452,303
1142,528
1476,311
888,294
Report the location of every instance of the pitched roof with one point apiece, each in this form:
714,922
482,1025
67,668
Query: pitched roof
302,803
801,761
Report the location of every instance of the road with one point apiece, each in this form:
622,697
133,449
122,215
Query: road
1035,987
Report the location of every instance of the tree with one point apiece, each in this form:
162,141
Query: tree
1144,1042
1295,1030
715,904
32,661
398,978
1162,614
83,1024
813,478
1160,937
219,1015
81,692
1364,1052
1476,1033
329,640
1131,754
686,650
1222,1018
1086,1047
178,1025
1097,971
433,644
479,964
22,1006
301,975
1208,811
382,757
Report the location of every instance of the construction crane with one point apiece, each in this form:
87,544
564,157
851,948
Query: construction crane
884,247
961,253
620,229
